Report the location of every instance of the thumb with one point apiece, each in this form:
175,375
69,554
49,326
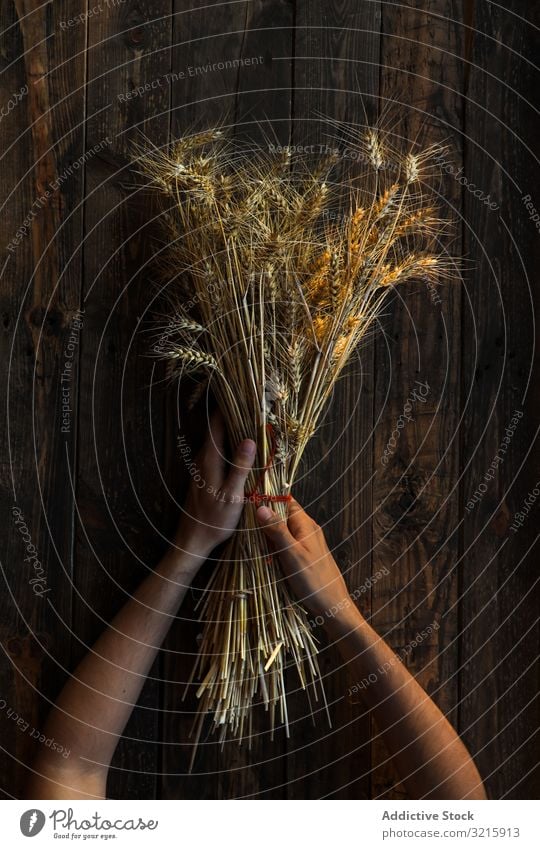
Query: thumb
276,530
240,469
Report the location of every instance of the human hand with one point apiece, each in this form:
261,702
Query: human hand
307,563
216,498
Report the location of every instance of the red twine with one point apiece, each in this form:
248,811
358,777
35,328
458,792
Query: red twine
256,497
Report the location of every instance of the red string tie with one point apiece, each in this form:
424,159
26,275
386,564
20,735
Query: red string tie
256,497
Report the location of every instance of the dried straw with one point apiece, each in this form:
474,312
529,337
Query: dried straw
284,274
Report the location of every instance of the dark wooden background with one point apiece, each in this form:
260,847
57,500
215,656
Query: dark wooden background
98,501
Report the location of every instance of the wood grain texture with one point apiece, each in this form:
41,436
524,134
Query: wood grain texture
118,486
100,499
262,112
250,94
337,76
40,294
499,709
415,494
199,99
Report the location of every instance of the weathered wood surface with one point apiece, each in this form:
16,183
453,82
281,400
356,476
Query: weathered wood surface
40,294
344,89
98,498
417,467
119,490
499,570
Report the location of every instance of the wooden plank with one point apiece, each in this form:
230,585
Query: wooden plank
232,66
119,492
205,96
499,715
43,75
262,111
198,98
265,85
416,506
337,75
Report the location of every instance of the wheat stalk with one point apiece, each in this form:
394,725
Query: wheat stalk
279,296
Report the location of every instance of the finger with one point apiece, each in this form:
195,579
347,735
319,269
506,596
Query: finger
240,468
276,531
294,506
300,524
212,457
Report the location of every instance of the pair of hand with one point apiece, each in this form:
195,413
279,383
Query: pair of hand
215,502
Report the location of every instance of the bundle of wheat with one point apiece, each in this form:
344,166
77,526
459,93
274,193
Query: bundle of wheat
273,276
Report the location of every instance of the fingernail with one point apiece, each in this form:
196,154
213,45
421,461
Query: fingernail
248,447
264,513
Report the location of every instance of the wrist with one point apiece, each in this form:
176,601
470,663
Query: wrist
345,622
192,540
183,563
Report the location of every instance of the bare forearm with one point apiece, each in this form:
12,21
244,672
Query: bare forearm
96,703
106,685
428,754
